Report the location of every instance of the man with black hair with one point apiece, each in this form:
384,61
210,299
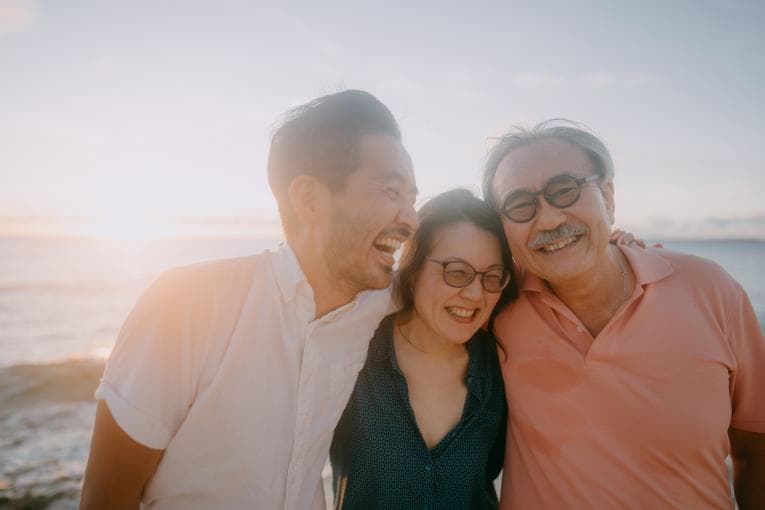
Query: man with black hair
228,377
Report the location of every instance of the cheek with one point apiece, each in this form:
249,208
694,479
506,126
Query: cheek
518,248
491,302
430,292
515,235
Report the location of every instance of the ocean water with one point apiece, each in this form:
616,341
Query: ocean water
62,302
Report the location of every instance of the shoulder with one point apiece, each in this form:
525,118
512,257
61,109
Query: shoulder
483,344
206,281
686,261
220,273
375,303
190,301
381,344
698,272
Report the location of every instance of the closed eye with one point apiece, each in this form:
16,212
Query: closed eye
392,193
563,191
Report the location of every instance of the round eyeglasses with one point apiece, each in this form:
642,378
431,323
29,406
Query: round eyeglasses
459,274
561,191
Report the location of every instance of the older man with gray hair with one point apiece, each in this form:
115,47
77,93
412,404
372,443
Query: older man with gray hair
630,374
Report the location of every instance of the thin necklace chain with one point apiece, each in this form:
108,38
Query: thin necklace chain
403,335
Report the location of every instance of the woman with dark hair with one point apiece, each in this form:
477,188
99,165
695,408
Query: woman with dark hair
425,425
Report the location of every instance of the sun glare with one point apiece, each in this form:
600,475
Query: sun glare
129,227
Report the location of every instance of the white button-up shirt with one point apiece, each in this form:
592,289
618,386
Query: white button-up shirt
223,366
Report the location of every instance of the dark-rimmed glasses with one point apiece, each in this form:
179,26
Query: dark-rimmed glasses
459,274
561,191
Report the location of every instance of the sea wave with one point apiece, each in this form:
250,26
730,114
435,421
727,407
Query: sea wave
46,287
46,417
64,381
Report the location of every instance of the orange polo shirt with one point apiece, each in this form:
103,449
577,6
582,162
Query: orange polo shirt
636,417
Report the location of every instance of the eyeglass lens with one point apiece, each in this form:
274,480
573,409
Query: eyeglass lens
561,191
460,274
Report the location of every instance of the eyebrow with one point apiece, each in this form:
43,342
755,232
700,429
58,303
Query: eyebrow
522,191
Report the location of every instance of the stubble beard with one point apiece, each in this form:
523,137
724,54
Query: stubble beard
345,253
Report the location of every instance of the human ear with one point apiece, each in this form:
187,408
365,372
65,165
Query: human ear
308,198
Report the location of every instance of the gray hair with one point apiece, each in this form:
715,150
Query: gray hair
557,129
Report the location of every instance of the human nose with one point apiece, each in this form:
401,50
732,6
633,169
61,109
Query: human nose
408,216
549,216
474,290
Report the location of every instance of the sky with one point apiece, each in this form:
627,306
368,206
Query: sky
131,116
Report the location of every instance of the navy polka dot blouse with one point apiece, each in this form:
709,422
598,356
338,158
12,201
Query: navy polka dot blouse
380,460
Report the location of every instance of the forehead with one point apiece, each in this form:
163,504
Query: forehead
466,241
530,166
384,158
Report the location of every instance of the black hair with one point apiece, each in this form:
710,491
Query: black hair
446,209
321,138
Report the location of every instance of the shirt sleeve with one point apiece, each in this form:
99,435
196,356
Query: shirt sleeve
748,382
148,380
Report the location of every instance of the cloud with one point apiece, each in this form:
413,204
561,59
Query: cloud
292,25
17,15
596,80
714,227
398,85
536,80
591,80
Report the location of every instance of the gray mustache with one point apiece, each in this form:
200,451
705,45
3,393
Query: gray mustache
550,236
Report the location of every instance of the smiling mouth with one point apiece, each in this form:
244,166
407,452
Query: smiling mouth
389,247
388,244
559,244
461,313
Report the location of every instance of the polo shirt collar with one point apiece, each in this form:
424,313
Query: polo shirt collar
647,264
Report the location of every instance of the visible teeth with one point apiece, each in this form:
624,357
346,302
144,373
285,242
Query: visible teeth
389,242
461,312
559,244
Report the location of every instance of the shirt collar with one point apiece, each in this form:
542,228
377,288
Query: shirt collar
294,287
381,349
289,275
647,264
478,368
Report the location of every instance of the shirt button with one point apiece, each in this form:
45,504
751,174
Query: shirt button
469,379
428,467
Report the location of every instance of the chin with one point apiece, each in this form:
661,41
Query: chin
380,280
461,334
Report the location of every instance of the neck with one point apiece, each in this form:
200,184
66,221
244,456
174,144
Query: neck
418,336
329,293
596,295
